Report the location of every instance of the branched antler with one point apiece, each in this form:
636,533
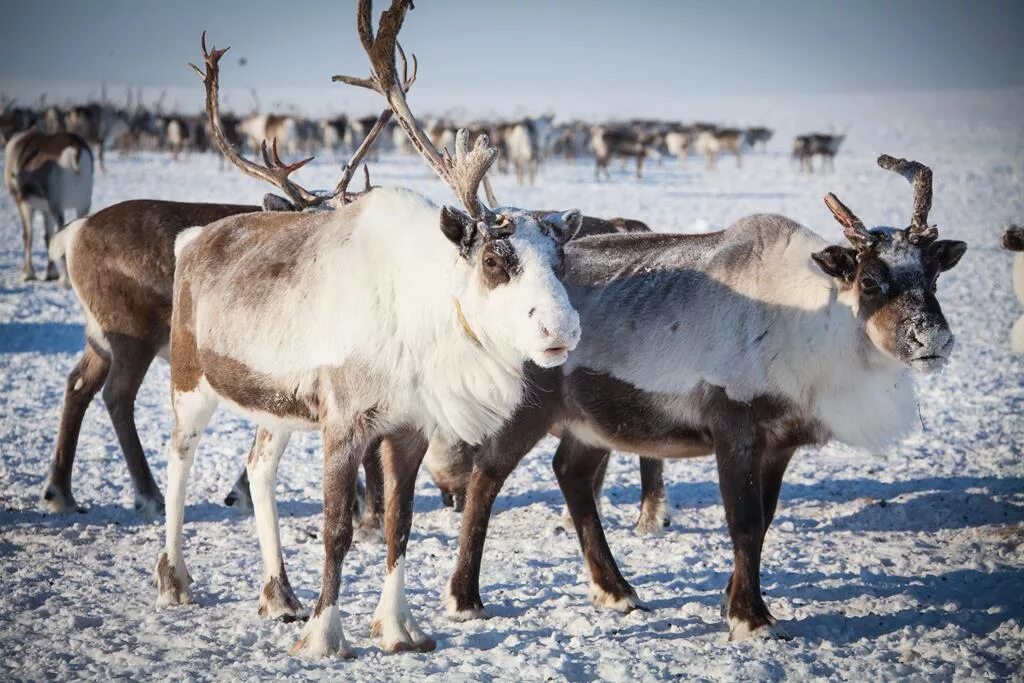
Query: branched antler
466,170
853,227
274,171
920,177
348,170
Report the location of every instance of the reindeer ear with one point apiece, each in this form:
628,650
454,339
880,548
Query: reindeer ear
272,202
565,225
946,253
837,262
457,226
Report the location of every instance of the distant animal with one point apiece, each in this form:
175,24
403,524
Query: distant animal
711,143
98,124
757,135
1013,240
609,142
47,174
523,146
260,128
824,145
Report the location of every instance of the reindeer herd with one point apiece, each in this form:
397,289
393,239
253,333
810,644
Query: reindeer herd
460,335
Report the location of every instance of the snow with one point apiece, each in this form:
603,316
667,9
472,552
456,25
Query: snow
902,563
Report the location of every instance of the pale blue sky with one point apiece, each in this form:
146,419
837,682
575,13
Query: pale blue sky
531,46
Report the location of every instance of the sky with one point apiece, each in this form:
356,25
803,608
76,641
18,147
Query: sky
486,56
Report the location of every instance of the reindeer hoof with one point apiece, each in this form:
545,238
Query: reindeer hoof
651,526
462,610
278,601
28,276
239,499
742,630
624,603
401,635
60,501
149,506
322,637
171,583
370,530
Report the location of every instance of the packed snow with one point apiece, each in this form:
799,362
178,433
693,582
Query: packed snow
902,563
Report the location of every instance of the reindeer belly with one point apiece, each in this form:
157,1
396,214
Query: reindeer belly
263,397
604,411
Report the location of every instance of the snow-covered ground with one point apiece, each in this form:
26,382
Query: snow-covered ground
907,562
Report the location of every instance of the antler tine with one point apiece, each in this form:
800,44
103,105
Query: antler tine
853,227
349,168
275,172
920,177
463,175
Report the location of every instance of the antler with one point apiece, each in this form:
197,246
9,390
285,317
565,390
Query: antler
467,169
853,227
382,121
274,171
920,176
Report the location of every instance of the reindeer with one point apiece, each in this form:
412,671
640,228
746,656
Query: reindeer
757,135
608,142
401,320
47,174
812,343
806,147
711,143
98,124
260,127
523,149
120,262
1013,240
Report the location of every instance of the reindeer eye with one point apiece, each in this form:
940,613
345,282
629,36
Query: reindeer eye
869,286
491,262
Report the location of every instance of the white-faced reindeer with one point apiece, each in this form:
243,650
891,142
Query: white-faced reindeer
811,343
120,262
523,150
385,318
47,174
1013,240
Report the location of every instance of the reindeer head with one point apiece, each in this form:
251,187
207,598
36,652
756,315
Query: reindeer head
508,296
891,275
506,284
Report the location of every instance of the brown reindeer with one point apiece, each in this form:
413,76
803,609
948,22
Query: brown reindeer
121,265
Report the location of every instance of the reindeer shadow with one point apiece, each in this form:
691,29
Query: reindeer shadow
45,338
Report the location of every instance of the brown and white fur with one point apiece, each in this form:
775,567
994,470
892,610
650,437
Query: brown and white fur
385,325
1013,240
812,343
120,262
47,174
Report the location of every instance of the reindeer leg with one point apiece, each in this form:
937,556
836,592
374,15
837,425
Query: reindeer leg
492,463
345,444
393,622
575,465
655,514
739,476
25,211
277,600
84,381
371,526
130,359
192,412
52,221
598,486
